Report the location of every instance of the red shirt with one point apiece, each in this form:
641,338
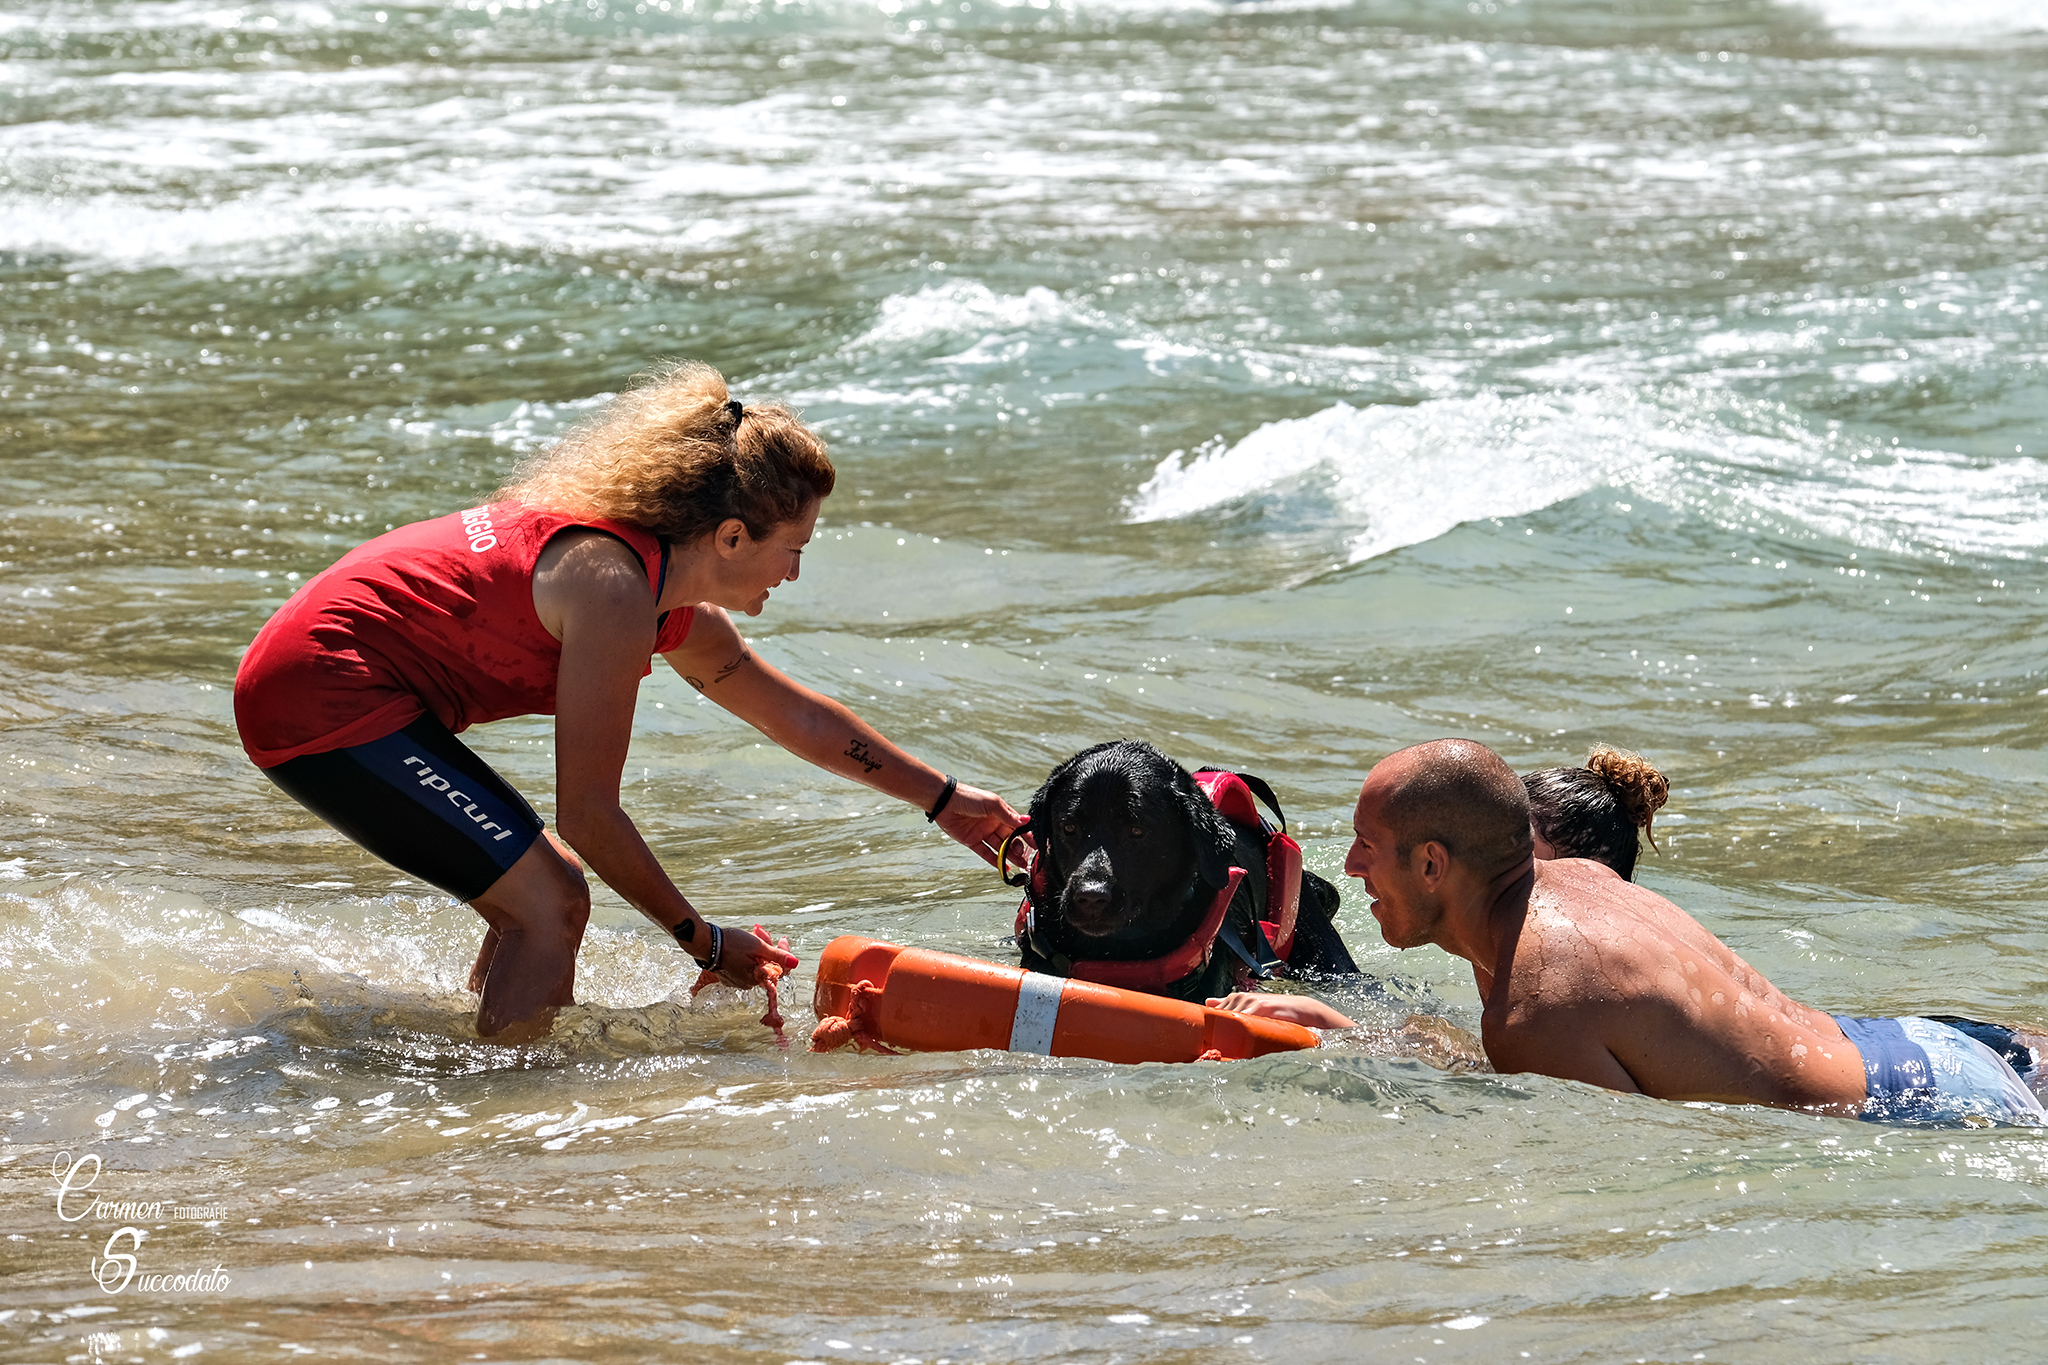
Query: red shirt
436,616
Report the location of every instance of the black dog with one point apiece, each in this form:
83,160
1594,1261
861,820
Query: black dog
1132,856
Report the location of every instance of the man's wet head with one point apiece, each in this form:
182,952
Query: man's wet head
1437,823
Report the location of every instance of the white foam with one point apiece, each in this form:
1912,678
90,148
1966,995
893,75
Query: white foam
113,228
1403,475
1394,476
1899,499
336,180
514,424
1478,215
959,308
275,16
1931,23
857,394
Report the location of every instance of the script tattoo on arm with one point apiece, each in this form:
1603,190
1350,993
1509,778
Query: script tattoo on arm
723,673
858,752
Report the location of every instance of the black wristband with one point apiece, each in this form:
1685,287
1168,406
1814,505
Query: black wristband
952,784
709,964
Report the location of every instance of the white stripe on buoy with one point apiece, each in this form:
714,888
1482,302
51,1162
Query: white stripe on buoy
1038,1009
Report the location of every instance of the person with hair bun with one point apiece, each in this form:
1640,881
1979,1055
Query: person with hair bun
636,535
1595,811
1584,976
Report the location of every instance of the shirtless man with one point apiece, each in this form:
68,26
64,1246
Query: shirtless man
1591,978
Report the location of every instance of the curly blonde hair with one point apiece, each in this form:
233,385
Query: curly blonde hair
675,455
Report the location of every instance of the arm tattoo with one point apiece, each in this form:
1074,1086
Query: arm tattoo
722,674
858,752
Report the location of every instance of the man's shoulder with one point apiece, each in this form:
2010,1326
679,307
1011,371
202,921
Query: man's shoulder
1595,898
1590,942
1581,877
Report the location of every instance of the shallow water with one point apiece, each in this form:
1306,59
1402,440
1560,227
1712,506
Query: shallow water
1282,383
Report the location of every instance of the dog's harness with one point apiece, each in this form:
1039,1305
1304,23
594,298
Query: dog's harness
1232,794
1145,973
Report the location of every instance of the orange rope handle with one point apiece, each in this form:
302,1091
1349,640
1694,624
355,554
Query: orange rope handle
771,973
834,1031
767,976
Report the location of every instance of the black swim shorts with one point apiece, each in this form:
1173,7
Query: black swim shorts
420,800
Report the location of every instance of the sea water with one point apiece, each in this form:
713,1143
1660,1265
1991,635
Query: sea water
1281,383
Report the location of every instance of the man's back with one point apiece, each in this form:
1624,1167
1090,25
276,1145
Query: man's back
1609,983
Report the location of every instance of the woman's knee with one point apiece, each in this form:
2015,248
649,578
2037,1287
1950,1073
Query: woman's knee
566,909
541,894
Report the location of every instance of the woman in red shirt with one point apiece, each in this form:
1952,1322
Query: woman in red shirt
633,537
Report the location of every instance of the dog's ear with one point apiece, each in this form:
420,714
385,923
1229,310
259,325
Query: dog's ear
1041,800
1215,840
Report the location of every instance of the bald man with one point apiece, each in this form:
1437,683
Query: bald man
1591,978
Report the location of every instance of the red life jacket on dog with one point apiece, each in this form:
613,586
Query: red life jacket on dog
1233,796
1232,793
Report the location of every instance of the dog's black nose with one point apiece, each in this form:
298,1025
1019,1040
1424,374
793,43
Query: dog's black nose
1090,903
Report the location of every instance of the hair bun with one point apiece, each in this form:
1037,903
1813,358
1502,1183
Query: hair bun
1642,788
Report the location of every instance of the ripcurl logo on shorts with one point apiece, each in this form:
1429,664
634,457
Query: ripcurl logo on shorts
476,524
456,797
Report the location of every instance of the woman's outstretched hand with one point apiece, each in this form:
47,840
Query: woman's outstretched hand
749,960
980,820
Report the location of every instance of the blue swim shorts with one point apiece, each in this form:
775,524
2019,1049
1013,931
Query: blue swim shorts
1925,1071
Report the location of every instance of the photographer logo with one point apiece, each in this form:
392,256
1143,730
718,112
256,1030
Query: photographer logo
118,1266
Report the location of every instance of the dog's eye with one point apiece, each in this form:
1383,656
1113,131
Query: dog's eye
1137,831
1069,827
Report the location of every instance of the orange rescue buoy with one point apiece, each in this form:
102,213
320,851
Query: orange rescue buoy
883,996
